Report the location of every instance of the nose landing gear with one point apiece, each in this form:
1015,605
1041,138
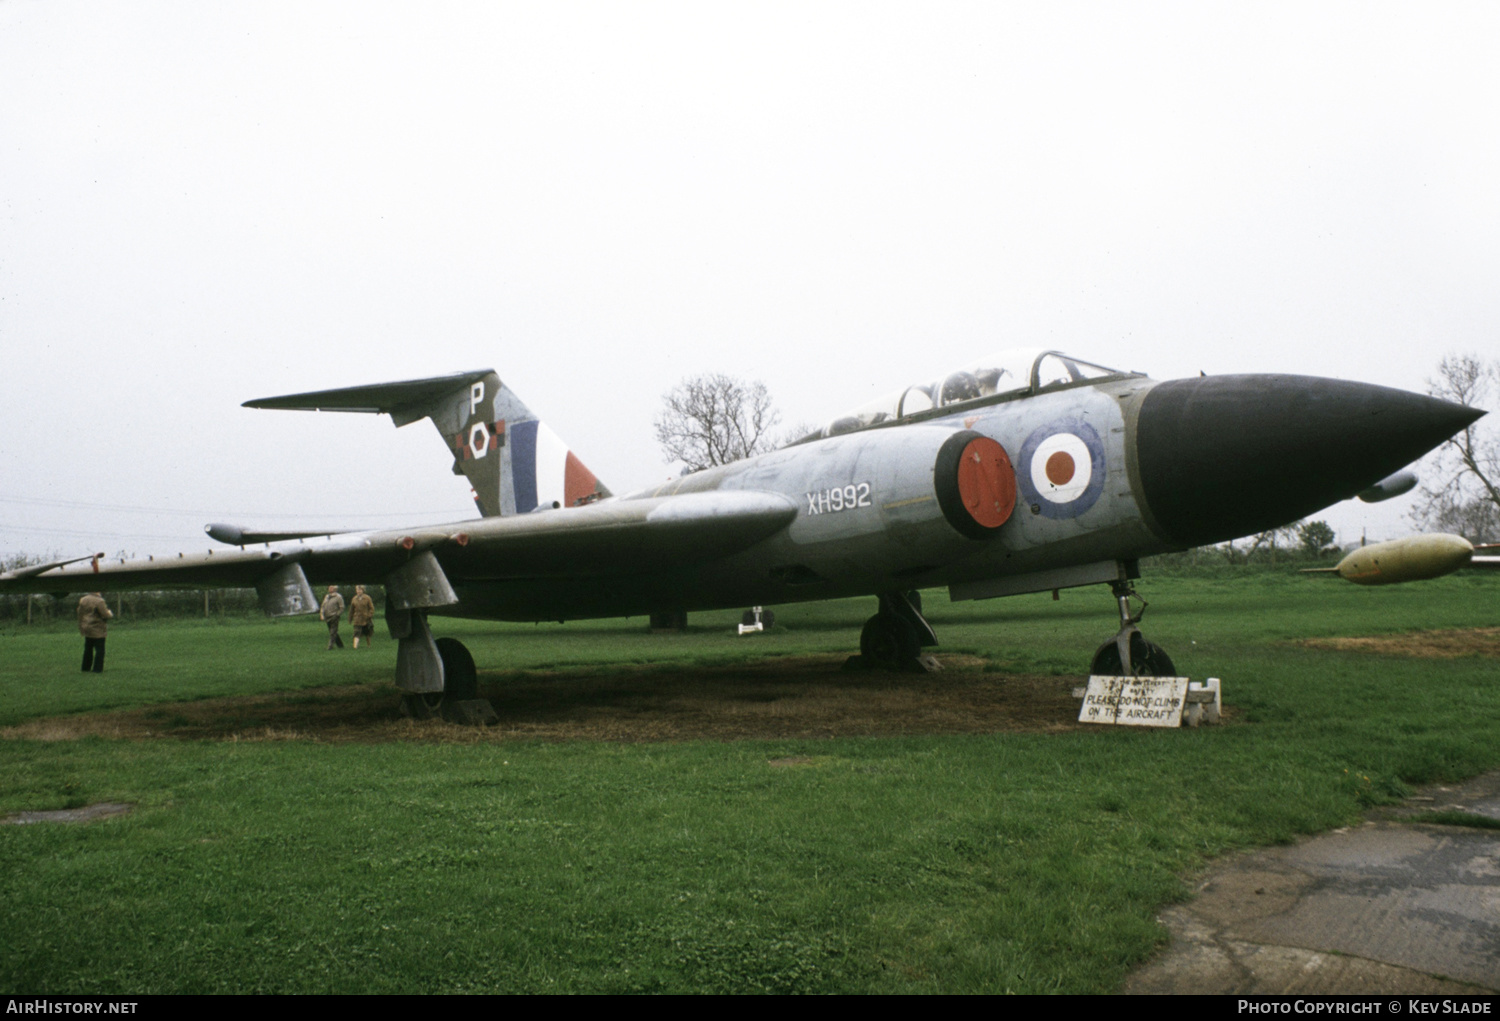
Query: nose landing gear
1128,654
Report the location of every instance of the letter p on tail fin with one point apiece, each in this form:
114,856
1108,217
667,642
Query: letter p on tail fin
514,462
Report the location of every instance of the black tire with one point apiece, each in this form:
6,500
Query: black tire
767,618
460,677
747,618
889,642
668,620
1148,658
421,706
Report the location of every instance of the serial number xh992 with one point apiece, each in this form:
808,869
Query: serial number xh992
839,498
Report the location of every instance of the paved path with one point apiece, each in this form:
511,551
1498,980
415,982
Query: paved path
1390,906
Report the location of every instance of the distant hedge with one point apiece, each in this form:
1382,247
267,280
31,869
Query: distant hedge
223,602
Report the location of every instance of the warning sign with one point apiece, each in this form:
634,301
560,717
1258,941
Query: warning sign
1134,701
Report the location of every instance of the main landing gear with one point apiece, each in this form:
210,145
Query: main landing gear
894,638
436,676
1128,654
460,683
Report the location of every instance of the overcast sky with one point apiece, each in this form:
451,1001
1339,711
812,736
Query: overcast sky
204,203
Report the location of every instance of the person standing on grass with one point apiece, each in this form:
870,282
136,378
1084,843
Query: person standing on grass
362,615
93,615
333,609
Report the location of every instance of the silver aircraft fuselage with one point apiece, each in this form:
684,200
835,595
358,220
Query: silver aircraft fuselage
868,519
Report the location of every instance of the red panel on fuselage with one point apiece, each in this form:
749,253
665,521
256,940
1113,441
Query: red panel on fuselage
986,482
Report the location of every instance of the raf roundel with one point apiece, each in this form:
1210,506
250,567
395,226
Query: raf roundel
1061,468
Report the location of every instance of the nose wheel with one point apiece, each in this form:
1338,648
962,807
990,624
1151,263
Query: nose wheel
1128,654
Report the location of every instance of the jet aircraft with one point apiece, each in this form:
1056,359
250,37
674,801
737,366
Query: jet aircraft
1027,471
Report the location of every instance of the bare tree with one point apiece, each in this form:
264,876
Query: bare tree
16,561
799,433
1269,539
1467,498
715,419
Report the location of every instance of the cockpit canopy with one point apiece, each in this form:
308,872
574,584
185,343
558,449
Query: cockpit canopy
1019,372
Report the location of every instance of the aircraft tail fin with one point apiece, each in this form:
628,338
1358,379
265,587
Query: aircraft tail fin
515,463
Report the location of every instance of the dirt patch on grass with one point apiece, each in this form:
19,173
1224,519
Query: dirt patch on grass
806,696
1484,641
86,814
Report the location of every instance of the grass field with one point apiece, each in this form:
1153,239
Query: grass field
421,857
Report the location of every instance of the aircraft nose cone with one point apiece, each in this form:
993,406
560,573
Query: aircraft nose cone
1220,457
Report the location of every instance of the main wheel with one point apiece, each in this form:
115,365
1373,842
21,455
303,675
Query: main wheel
460,678
421,705
889,641
460,682
1148,658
